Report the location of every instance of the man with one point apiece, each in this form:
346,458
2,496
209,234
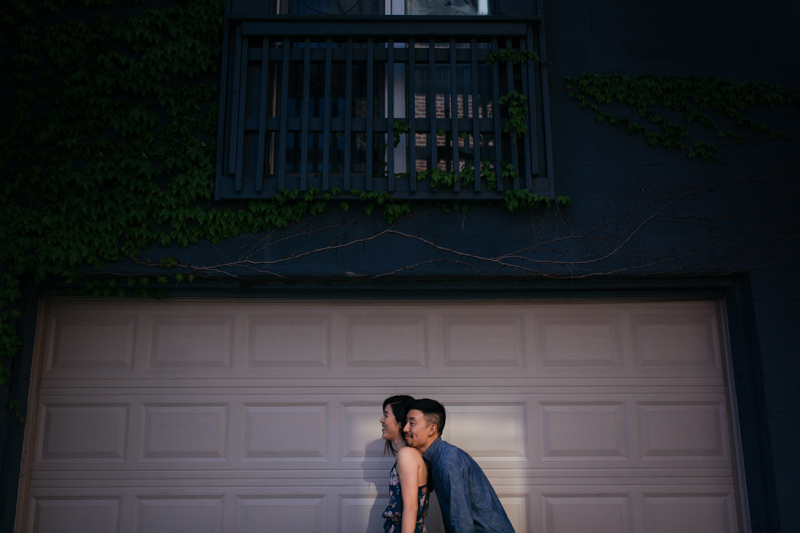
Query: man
466,498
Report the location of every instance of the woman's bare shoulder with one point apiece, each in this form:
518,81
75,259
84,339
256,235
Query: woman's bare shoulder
407,453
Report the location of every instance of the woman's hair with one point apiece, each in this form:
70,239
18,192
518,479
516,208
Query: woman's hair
399,405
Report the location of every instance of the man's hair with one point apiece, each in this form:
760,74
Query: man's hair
400,406
432,410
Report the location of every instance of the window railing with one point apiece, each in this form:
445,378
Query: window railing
419,107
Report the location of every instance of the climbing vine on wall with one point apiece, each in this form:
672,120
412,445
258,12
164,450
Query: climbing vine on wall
664,108
107,144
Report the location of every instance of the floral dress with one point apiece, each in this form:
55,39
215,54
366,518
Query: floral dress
394,512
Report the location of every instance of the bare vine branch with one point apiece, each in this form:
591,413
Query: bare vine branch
707,237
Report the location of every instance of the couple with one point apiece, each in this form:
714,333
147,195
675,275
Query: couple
412,430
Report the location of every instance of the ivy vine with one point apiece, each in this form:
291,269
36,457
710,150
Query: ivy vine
108,145
667,106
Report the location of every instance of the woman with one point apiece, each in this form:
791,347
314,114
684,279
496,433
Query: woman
408,480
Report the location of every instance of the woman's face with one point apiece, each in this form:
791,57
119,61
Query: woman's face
390,428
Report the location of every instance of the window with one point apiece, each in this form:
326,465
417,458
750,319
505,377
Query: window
383,7
424,106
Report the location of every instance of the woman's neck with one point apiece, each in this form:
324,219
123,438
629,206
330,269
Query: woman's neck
399,442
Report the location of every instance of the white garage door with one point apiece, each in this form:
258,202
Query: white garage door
245,416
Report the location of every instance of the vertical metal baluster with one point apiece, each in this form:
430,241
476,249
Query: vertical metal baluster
534,134
262,118
513,142
305,113
454,113
527,90
348,112
546,137
242,118
326,120
498,131
476,134
236,99
434,137
224,116
390,117
412,119
284,117
370,103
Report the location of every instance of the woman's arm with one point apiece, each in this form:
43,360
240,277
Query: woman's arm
408,460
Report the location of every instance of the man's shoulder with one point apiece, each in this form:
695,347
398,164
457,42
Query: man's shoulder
452,449
449,452
440,446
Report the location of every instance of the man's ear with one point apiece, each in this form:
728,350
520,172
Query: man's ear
432,430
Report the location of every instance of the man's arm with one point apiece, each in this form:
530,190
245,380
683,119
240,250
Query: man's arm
452,486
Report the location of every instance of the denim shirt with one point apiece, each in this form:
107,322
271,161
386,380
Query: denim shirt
467,499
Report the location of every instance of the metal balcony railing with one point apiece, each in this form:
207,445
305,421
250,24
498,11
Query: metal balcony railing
419,107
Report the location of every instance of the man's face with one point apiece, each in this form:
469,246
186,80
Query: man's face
417,431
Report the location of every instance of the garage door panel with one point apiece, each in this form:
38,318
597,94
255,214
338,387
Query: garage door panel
598,513
688,340
358,424
360,513
494,432
580,342
90,341
573,431
289,431
83,432
385,339
486,341
260,514
683,429
184,432
517,509
690,512
75,514
175,514
238,415
188,341
290,341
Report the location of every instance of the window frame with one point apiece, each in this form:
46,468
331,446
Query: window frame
239,27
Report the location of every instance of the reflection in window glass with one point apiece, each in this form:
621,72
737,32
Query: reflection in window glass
380,7
447,7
